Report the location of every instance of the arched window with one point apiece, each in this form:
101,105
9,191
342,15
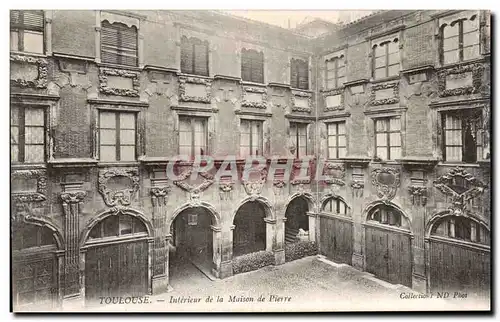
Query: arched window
30,236
387,215
386,59
116,226
335,205
461,228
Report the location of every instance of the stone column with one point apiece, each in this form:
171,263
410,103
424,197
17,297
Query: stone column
312,216
226,265
72,202
159,197
270,236
279,248
217,250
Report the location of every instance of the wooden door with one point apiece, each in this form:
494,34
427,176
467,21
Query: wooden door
336,239
458,267
116,270
388,255
35,284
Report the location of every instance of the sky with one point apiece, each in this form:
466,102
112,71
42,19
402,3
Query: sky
281,18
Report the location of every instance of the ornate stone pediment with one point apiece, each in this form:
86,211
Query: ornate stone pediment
386,180
39,191
28,71
461,186
120,82
122,191
460,80
195,89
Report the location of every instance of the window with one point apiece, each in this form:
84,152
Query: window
117,136
461,228
335,72
114,226
27,134
460,40
386,215
252,66
335,205
194,56
388,138
118,44
299,74
28,236
251,138
462,136
26,31
337,145
193,139
386,59
298,134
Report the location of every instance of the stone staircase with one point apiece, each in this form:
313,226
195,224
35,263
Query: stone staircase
291,235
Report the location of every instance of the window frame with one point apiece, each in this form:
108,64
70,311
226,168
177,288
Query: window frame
338,202
192,42
21,134
119,50
252,54
20,29
117,130
336,135
388,133
385,43
192,119
460,21
100,228
261,137
297,125
335,60
295,64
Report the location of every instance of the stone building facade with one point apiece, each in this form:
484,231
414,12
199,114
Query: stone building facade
394,108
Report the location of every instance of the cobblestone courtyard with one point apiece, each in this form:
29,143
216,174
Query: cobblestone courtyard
308,284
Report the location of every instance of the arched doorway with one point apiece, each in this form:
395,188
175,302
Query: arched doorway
192,241
116,258
336,230
34,268
296,219
388,245
459,255
249,234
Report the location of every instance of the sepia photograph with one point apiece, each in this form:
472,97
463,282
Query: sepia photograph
250,160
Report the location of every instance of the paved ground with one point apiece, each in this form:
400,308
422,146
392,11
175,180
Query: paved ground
308,284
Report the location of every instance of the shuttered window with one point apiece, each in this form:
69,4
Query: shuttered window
460,40
462,136
251,138
27,134
194,56
118,44
26,31
117,136
252,66
299,74
298,134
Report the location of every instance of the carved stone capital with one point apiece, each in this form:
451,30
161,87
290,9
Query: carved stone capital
72,197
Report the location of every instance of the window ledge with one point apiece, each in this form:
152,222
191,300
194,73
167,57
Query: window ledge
13,52
459,164
465,62
301,90
385,79
194,75
102,164
24,166
127,67
248,83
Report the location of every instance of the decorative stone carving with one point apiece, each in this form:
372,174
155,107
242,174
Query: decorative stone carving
40,81
418,195
207,182
246,94
477,74
184,81
253,188
104,87
388,100
118,197
336,173
72,202
461,186
159,195
41,186
226,191
357,188
226,95
278,186
299,96
333,92
386,180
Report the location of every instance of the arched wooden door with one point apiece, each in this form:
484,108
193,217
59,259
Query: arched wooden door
459,255
250,229
34,268
116,258
335,236
296,218
388,245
